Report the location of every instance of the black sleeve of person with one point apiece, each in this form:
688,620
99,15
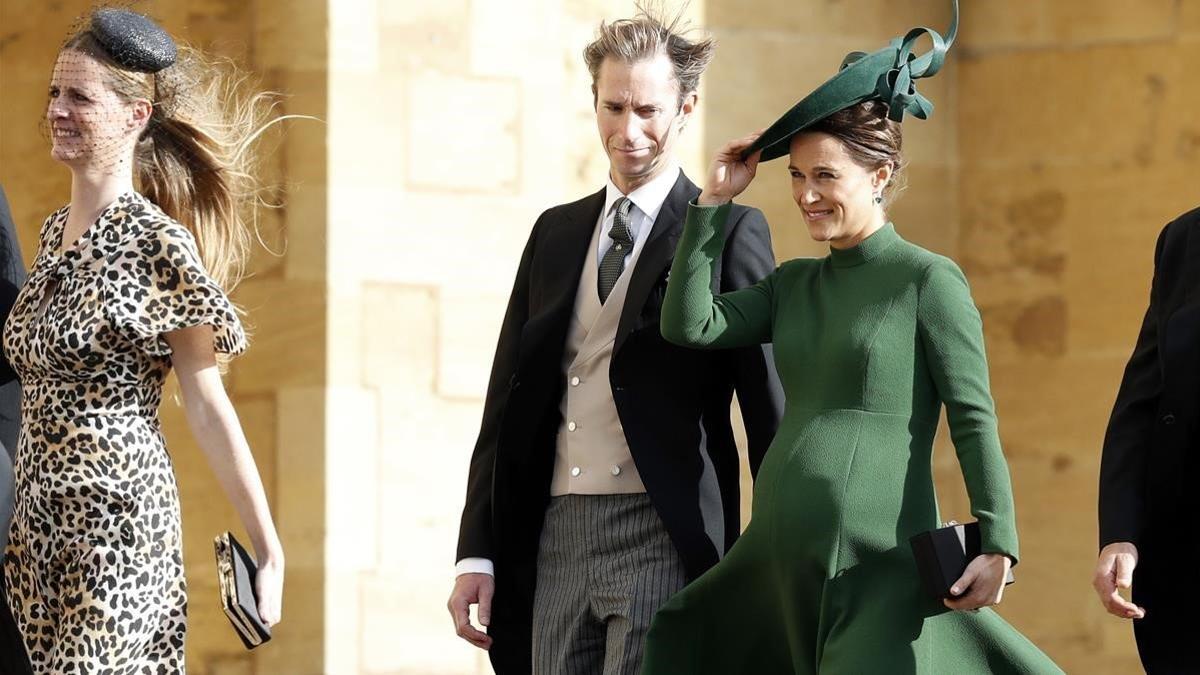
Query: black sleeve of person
475,538
13,660
12,275
748,258
1123,464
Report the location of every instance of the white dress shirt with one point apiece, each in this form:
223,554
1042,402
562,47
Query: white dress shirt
647,202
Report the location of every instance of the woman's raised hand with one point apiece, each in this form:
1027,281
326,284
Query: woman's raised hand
729,174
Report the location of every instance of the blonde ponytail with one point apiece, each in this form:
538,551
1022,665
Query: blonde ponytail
196,158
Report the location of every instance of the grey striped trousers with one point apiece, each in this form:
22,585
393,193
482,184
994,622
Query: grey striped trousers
605,566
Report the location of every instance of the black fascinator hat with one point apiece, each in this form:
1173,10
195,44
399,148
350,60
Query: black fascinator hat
132,40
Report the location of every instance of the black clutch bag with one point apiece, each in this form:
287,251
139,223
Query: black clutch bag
943,555
236,572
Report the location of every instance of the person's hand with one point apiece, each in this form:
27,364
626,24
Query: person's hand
1114,571
729,174
470,589
981,584
269,585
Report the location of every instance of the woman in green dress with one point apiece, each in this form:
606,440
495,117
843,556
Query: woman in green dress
870,343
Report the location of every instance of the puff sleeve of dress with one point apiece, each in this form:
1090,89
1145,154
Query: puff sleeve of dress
158,284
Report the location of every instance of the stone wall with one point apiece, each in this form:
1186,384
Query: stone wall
278,387
1078,141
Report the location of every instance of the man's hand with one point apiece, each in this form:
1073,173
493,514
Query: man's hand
981,584
729,174
1114,571
470,589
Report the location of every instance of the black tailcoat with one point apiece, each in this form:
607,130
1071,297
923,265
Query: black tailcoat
673,403
1151,461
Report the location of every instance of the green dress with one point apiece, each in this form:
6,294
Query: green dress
869,343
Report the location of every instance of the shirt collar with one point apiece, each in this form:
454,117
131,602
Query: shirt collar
648,198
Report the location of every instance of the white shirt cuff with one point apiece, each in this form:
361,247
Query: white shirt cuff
475,566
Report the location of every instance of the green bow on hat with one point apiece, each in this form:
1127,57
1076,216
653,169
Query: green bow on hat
889,75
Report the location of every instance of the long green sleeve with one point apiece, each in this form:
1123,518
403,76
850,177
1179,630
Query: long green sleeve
952,335
691,315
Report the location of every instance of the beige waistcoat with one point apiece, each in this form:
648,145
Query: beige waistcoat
592,456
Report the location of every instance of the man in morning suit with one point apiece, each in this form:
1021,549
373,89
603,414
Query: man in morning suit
12,274
1151,465
605,476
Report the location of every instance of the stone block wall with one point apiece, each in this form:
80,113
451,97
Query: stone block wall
1077,140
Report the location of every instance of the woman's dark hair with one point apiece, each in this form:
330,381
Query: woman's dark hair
870,138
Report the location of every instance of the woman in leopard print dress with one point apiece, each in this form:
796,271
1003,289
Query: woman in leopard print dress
120,293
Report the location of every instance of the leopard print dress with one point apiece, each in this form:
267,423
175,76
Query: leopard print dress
94,564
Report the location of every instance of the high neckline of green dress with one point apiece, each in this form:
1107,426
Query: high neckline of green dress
867,250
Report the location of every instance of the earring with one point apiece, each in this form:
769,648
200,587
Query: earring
878,198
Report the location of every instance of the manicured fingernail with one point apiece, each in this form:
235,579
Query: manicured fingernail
954,590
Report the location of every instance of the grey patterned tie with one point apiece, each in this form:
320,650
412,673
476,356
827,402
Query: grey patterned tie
613,262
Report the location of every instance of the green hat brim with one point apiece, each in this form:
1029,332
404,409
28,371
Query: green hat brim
889,74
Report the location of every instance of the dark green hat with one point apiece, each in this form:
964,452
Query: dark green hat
889,75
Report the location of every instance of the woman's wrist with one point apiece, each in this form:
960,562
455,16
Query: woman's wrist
273,559
708,198
995,556
269,553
